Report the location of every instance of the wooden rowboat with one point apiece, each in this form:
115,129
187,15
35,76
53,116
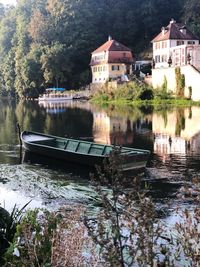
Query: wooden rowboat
81,152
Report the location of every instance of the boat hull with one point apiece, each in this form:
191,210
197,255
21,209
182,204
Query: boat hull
44,148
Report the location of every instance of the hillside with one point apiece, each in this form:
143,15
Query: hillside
49,42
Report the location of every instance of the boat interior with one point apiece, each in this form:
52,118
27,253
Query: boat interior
78,146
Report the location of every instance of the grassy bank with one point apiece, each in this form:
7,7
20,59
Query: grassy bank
139,95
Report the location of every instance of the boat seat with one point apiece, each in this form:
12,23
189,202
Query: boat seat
71,145
95,149
65,144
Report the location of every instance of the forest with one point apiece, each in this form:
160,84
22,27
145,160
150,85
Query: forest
49,42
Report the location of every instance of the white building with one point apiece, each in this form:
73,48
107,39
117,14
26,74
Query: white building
175,45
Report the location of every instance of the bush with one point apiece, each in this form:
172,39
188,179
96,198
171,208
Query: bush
134,91
161,94
146,94
55,239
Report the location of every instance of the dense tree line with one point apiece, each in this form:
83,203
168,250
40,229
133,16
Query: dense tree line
49,42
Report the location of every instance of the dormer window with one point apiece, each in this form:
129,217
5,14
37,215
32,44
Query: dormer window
183,30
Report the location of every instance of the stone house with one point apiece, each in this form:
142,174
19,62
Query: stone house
111,61
175,45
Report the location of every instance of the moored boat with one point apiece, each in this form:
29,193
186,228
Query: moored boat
81,152
55,95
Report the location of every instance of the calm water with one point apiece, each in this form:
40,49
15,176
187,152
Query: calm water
172,135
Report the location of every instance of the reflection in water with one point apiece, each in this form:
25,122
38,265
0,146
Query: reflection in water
177,132
112,130
59,165
173,137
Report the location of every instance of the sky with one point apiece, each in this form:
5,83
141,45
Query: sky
8,2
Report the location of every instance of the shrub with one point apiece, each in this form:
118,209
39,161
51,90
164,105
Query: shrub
145,93
161,94
55,239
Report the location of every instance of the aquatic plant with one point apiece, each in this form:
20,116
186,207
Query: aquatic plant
8,226
125,232
126,228
56,238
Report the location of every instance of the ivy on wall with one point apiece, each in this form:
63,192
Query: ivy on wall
180,82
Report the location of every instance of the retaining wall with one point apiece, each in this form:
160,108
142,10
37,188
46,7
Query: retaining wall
192,79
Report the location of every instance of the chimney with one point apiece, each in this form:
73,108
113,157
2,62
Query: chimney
163,30
109,38
172,21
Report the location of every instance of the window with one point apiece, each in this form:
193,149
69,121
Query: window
115,67
164,44
180,43
191,42
164,58
157,59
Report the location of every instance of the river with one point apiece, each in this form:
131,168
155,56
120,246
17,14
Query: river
171,134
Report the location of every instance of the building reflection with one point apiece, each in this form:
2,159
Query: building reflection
108,127
177,131
169,131
112,130
122,131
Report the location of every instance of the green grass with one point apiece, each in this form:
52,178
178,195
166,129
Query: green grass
139,95
154,102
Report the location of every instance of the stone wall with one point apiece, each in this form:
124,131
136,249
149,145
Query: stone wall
192,80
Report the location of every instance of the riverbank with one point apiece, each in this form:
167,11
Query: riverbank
139,103
139,95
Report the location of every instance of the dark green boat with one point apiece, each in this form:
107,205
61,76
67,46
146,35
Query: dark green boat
81,152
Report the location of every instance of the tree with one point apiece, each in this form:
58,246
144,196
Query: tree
191,15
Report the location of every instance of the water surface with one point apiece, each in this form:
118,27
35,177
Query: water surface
172,135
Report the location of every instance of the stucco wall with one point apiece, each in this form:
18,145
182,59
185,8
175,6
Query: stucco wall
158,76
106,72
192,79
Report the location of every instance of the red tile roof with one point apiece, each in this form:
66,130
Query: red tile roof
173,32
111,45
121,57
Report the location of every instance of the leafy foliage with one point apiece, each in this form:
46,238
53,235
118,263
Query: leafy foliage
48,42
56,239
128,91
191,16
180,82
8,226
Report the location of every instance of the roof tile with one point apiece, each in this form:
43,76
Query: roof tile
173,32
111,45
